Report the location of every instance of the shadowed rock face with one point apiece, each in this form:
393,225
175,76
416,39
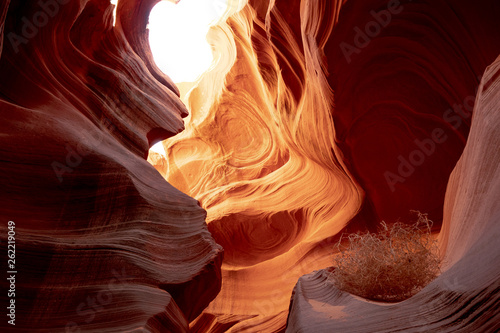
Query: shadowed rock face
103,243
465,297
405,74
320,117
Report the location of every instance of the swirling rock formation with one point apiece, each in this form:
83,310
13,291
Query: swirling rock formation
282,164
103,243
465,297
319,117
275,192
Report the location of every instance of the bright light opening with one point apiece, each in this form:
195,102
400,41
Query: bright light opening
115,3
177,36
158,148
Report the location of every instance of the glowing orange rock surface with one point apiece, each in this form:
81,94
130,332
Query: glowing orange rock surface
319,117
282,163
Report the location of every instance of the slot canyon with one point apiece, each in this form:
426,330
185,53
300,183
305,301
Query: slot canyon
316,119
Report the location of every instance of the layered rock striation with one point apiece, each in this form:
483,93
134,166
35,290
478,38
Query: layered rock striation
319,117
103,242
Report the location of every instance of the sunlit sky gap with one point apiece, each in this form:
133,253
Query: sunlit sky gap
114,2
177,37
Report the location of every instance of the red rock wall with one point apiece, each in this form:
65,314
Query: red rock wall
465,297
320,117
405,75
103,243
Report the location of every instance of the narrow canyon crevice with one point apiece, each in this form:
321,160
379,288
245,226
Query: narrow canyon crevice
317,118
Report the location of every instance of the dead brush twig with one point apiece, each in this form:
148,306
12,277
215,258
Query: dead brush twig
391,265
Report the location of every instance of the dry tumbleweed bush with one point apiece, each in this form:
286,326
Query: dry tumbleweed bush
391,265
